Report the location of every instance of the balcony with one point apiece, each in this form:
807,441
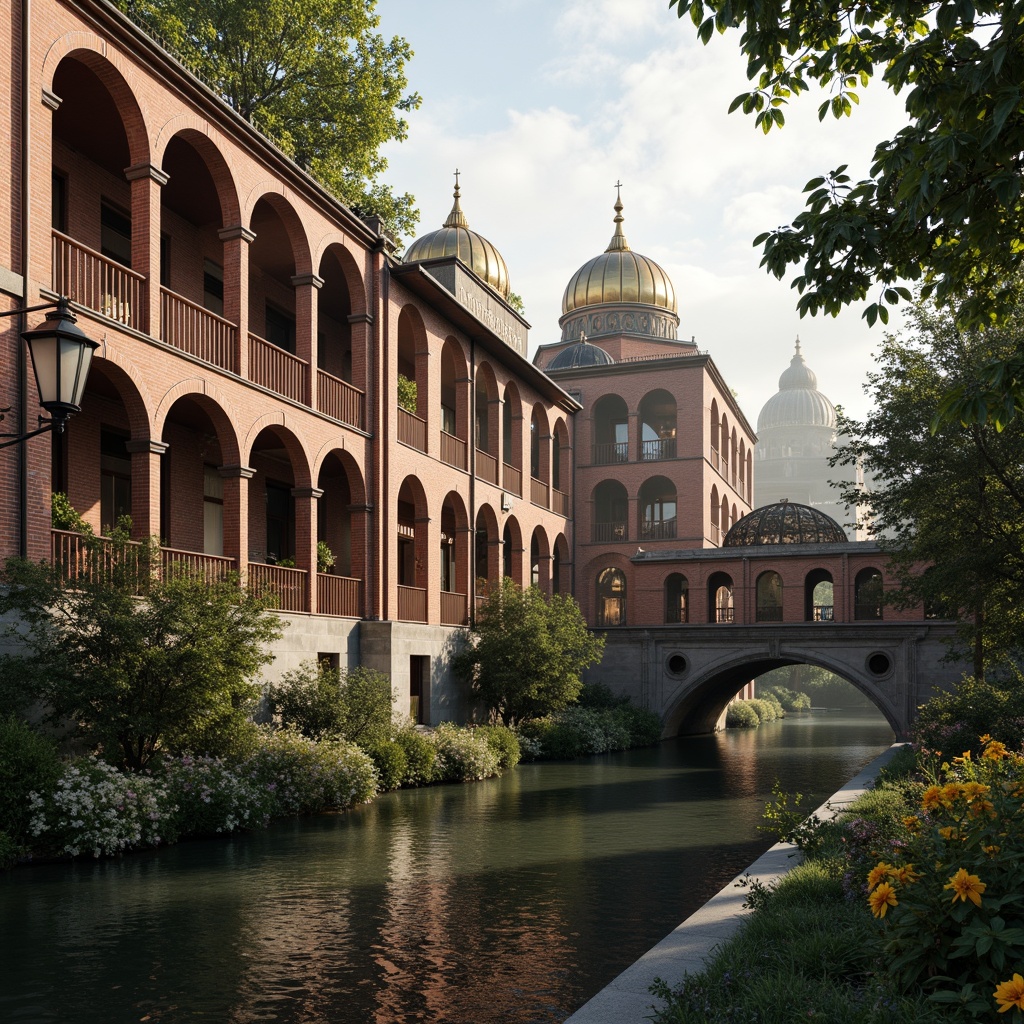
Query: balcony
340,400
716,535
453,609
453,450
98,283
286,588
651,529
412,430
560,502
823,613
608,533
412,604
610,454
538,492
486,467
277,370
769,613
339,595
196,331
513,480
212,568
725,615
654,451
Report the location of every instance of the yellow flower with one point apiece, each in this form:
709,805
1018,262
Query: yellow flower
1010,994
984,739
966,887
912,823
905,875
878,873
950,792
948,832
995,750
992,850
980,807
882,899
972,790
931,799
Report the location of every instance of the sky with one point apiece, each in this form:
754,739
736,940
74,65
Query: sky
543,105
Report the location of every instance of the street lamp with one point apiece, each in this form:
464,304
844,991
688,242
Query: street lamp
61,356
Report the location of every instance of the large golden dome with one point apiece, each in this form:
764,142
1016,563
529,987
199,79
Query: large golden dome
618,276
456,239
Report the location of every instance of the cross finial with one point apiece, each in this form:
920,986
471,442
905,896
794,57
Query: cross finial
618,191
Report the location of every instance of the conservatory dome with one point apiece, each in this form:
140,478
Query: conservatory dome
579,355
785,522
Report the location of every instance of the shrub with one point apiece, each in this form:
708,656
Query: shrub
952,722
94,808
232,739
209,796
391,763
504,742
28,762
463,755
766,710
644,725
600,696
420,755
789,700
10,851
740,715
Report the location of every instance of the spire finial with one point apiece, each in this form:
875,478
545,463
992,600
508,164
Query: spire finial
798,344
456,219
618,241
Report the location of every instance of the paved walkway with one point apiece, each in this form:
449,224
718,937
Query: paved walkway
627,1000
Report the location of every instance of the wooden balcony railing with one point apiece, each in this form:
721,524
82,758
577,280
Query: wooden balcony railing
608,533
453,450
82,558
609,454
277,370
339,595
192,329
100,284
339,399
664,529
716,459
662,448
725,615
412,604
769,613
823,613
512,479
715,533
486,467
412,430
724,469
453,609
212,568
286,587
538,492
560,502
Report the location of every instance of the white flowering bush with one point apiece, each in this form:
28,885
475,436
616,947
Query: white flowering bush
214,796
463,754
304,777
95,809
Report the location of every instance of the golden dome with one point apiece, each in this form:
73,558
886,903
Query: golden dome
456,239
619,275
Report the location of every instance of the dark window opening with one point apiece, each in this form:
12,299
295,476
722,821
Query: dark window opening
281,329
115,234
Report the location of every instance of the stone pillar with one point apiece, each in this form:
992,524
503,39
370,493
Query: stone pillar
145,487
236,515
306,286
305,538
146,181
237,240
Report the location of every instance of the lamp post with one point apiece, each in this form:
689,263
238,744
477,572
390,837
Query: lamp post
61,356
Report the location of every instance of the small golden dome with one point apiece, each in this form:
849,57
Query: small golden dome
472,249
619,275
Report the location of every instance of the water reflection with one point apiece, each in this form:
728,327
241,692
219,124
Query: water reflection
510,901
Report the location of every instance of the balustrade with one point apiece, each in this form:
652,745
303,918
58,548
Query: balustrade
560,502
189,328
662,448
277,370
538,492
609,533
412,430
286,587
453,450
486,467
92,280
212,568
412,604
453,609
339,595
339,399
609,454
651,529
513,480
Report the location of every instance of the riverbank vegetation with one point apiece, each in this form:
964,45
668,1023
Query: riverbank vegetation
907,907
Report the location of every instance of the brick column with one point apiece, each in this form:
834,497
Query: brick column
146,182
145,487
305,538
237,240
359,524
236,515
306,286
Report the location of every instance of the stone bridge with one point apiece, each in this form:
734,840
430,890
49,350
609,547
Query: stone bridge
689,673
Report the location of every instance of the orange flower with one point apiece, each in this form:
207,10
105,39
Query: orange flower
966,887
972,790
878,873
995,750
948,832
912,823
991,850
931,799
882,899
984,739
1010,994
950,792
905,875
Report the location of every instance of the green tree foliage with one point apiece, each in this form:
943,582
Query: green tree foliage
526,653
142,659
327,703
407,393
312,74
942,204
953,499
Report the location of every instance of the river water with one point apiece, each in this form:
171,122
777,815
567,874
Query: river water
511,900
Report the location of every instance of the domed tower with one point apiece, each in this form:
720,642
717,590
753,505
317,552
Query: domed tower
796,433
619,292
456,238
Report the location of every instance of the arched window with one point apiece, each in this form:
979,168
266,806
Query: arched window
867,594
818,596
677,599
720,604
658,509
611,597
611,431
658,426
769,597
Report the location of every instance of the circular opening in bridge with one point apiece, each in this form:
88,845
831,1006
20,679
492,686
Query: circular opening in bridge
879,664
677,664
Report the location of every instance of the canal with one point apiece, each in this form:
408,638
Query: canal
511,900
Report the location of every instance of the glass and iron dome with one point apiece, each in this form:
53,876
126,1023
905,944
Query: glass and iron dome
785,522
579,355
455,238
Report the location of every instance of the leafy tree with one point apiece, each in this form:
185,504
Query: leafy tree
312,74
952,500
326,703
526,652
943,203
142,659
